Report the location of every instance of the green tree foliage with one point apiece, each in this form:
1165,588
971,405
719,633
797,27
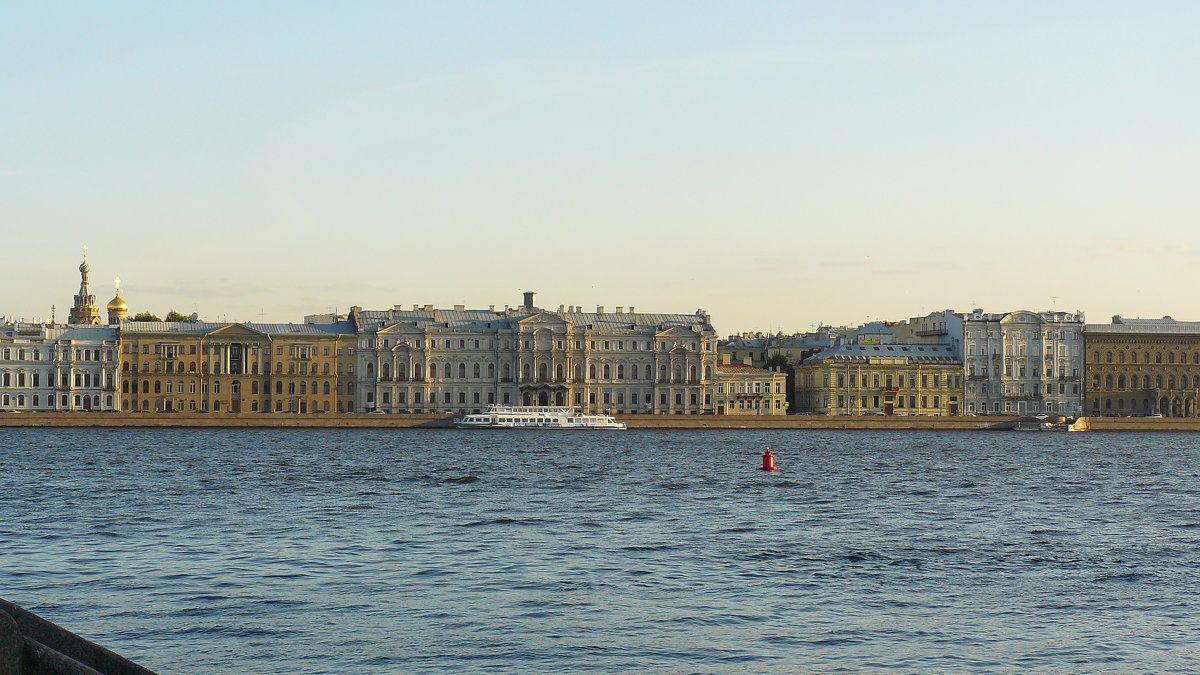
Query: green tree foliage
145,316
176,316
779,360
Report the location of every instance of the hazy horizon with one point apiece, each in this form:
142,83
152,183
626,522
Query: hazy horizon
779,166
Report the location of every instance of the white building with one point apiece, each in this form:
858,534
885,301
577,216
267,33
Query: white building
58,368
460,360
1023,363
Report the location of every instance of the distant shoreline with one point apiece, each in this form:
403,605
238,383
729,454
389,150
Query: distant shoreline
681,422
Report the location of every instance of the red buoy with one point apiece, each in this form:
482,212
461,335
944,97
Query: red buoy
769,461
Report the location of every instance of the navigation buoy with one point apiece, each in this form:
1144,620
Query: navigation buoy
769,461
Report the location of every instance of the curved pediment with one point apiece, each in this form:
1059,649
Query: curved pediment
1021,316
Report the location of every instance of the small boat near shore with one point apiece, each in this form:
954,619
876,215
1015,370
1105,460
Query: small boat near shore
536,417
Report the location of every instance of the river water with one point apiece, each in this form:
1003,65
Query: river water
408,551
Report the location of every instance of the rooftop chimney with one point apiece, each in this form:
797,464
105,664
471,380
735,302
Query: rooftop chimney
528,302
459,308
619,310
428,308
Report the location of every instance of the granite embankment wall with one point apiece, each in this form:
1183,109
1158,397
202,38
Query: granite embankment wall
364,421
30,645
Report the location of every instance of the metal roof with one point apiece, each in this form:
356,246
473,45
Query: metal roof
920,353
482,319
202,327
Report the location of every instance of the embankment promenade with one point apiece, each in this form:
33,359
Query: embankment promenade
365,421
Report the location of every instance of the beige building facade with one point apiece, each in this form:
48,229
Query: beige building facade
458,360
743,389
884,379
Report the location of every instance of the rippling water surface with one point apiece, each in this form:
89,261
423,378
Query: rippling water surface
338,551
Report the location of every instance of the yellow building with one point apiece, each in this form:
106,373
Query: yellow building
743,389
1142,367
887,379
220,367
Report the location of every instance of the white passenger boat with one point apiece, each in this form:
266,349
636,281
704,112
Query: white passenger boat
536,417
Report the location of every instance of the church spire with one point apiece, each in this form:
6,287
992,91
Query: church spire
85,310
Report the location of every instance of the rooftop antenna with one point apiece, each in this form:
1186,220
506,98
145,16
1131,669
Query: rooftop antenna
1054,303
261,312
52,308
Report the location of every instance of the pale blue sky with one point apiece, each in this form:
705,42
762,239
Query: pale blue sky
778,164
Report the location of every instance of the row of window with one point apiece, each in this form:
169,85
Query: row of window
1133,357
609,345
36,354
1143,382
235,387
64,402
237,369
603,372
889,381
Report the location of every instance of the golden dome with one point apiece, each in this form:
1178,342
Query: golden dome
117,304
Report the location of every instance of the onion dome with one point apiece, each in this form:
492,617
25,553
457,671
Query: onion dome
117,304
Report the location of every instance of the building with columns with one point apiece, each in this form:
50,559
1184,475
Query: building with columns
236,367
460,360
1023,363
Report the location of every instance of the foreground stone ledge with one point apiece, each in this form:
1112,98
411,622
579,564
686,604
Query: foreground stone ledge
31,645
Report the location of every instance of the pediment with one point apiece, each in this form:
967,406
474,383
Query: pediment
401,328
542,320
1021,316
237,330
677,332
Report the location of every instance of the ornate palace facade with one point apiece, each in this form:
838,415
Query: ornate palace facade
1023,363
460,360
1142,367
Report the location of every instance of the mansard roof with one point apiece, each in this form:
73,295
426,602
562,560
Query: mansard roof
204,327
482,319
1124,326
917,353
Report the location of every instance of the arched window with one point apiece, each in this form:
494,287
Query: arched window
1146,381
1183,381
1095,382
558,372
462,371
254,387
1120,382
1120,404
633,371
125,387
692,373
1158,357
124,366
1170,357
475,371
543,372
507,371
325,387
526,372
370,369
235,388
303,387
1158,381
579,372
678,373
279,387
620,371
385,371
145,386
592,371
1171,382
1133,357
418,371
433,371
491,371
707,372
158,386
1108,382
1108,357
662,373
607,372
1121,357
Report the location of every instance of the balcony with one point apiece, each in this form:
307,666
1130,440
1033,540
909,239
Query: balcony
977,377
932,332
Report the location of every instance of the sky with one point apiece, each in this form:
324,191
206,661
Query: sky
778,164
